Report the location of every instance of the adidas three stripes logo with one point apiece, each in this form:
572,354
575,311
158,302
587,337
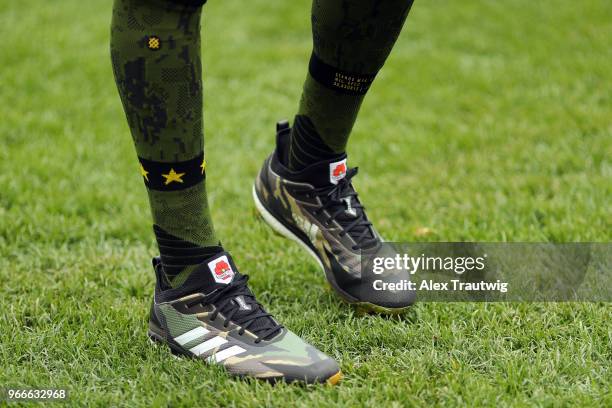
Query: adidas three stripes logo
207,345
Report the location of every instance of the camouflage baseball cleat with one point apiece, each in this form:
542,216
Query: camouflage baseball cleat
319,208
214,316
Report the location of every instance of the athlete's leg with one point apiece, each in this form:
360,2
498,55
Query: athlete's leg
304,189
351,41
155,50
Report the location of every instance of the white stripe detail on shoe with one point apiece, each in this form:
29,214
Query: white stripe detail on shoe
281,229
207,345
191,335
227,353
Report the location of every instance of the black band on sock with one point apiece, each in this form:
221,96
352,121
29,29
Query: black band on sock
176,253
173,176
342,81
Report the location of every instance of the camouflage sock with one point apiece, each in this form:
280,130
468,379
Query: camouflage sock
351,41
155,51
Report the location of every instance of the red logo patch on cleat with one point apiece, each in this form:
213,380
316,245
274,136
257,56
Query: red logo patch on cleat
340,170
221,270
337,171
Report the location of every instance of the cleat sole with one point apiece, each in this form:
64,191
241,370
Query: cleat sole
334,379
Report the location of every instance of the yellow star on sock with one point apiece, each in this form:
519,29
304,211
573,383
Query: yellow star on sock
144,173
203,165
173,176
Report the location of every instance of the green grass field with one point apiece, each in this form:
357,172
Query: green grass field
491,121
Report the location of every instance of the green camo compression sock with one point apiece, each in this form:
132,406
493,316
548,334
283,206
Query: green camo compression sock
155,52
351,41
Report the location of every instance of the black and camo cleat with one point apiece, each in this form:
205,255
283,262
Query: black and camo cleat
214,316
319,208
